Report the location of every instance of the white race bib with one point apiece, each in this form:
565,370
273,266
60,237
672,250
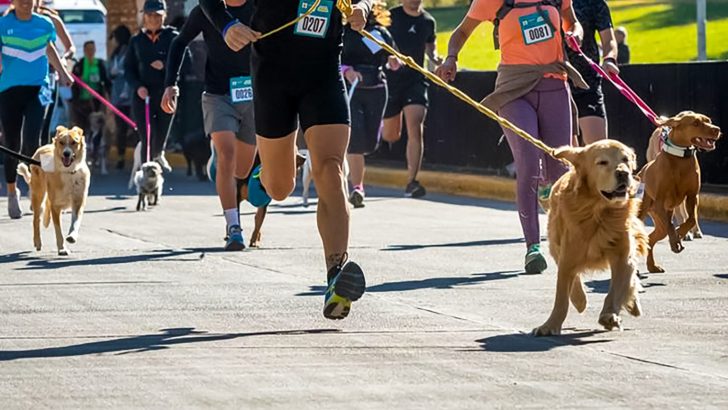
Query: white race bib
316,23
241,89
535,29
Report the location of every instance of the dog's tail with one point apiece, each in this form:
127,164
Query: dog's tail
24,171
46,209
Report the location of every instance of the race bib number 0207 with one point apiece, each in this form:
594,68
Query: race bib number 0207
535,29
316,23
241,89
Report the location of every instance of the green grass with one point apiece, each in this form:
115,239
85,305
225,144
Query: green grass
659,32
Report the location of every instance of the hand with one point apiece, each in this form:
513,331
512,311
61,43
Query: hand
393,63
239,36
142,92
68,55
352,75
358,18
157,65
448,69
169,99
609,66
65,78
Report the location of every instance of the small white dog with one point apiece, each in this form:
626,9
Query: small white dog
307,176
138,163
149,184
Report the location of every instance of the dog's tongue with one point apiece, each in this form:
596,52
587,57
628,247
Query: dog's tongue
706,144
67,161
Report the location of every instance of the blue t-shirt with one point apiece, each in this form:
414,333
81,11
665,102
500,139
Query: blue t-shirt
23,44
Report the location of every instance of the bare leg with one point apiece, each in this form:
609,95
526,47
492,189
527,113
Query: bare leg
415,118
593,129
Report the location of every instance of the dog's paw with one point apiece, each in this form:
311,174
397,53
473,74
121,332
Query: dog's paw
63,252
546,330
37,243
688,237
697,234
634,307
676,246
610,321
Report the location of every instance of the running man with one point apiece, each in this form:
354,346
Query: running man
227,107
297,77
414,31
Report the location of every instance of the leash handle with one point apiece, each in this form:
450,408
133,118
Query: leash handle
104,101
617,82
149,128
352,89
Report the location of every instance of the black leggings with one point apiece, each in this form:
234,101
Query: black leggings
158,119
367,109
122,132
22,117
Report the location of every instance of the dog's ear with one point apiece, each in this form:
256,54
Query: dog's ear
571,154
632,159
61,129
673,122
77,129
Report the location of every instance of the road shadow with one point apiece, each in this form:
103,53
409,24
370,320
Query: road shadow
99,211
144,343
721,275
489,242
429,283
60,263
523,342
602,286
23,256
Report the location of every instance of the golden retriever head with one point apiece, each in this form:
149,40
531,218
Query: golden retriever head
70,147
692,129
604,167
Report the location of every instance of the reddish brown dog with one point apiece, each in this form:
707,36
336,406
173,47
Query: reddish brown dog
674,177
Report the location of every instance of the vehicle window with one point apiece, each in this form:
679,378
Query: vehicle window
82,16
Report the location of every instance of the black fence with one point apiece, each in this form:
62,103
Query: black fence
456,135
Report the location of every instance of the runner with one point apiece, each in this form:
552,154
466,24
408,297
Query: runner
227,108
363,67
92,71
145,71
26,41
414,31
594,16
297,74
531,92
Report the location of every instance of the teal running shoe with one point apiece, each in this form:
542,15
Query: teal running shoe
235,241
346,284
535,261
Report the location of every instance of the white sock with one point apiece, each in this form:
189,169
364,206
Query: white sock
232,217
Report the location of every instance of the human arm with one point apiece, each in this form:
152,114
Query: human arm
63,35
460,35
570,24
236,34
55,60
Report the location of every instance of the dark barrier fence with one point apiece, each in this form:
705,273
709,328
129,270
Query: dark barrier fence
458,136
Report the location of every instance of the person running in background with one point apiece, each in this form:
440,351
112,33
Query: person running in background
92,71
363,64
227,106
414,31
531,91
120,90
144,69
297,80
620,34
595,18
26,44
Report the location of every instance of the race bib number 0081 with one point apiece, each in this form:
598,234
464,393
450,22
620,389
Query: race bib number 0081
535,29
316,23
241,89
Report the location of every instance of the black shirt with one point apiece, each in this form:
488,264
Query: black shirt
360,56
144,49
411,34
286,45
594,17
222,62
622,54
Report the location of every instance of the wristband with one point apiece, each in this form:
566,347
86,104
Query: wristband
345,68
228,25
452,56
610,59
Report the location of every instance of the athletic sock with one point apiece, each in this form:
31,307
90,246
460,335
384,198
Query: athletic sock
232,217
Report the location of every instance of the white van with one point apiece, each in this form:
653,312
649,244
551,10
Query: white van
85,20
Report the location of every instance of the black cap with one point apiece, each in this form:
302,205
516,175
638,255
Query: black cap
154,6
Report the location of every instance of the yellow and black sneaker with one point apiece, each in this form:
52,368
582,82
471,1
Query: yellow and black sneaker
346,285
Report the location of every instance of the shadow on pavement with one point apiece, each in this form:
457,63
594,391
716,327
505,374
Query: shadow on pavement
489,242
430,283
35,263
99,211
602,286
522,342
721,275
144,343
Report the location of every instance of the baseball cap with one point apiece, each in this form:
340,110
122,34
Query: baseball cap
154,6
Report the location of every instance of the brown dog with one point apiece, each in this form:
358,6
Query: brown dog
673,178
60,183
593,225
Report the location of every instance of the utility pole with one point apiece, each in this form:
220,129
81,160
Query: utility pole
701,14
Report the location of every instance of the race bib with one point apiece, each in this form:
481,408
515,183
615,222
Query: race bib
640,191
535,29
241,89
315,24
372,46
45,96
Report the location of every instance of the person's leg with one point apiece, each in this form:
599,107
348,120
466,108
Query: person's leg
392,128
414,116
278,165
11,116
122,131
593,129
592,115
32,124
137,110
357,143
554,120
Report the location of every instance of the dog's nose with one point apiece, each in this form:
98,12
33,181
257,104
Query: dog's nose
622,176
66,153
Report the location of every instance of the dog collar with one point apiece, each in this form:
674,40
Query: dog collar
675,150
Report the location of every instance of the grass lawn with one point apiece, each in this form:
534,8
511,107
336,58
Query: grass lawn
659,31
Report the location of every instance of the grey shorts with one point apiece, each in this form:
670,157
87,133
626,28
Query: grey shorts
220,114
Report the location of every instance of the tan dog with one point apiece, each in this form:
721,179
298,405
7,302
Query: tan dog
593,225
672,180
682,123
60,183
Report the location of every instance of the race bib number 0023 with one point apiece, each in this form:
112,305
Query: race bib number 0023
535,29
316,23
241,89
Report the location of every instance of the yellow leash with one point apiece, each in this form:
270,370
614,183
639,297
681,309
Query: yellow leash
346,9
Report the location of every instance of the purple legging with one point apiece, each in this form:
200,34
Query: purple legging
545,113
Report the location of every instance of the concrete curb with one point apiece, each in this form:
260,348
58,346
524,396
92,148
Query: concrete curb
712,207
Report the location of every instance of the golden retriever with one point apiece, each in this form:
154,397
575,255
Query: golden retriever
672,179
687,123
593,225
60,183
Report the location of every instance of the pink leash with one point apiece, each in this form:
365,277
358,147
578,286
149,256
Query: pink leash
617,81
104,101
149,128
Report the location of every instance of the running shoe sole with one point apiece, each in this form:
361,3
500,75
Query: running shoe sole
356,199
536,266
418,192
349,286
